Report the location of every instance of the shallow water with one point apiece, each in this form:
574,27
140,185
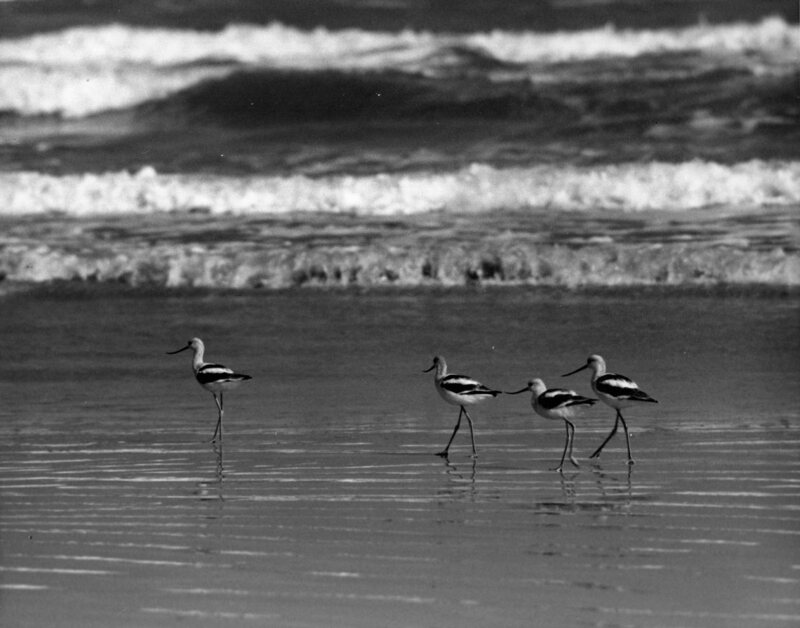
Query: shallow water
327,506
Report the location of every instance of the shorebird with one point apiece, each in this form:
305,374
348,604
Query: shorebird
458,390
616,391
215,378
554,404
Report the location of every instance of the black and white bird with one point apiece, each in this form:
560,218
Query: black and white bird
215,378
555,404
459,390
616,391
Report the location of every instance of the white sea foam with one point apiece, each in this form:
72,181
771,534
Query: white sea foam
679,241
77,91
84,70
230,246
478,188
770,35
291,47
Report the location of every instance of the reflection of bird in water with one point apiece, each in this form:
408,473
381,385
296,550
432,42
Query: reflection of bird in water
462,480
616,391
208,490
615,490
458,390
554,404
220,466
215,378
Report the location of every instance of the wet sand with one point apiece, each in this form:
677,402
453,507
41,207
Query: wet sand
328,507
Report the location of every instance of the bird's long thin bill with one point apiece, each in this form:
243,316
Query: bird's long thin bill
178,350
516,392
575,371
428,370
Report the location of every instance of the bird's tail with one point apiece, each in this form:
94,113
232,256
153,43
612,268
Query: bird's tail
640,395
583,401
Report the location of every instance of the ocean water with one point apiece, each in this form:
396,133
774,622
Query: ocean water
328,506
408,143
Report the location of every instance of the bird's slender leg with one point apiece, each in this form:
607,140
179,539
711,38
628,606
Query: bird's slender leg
560,467
471,434
443,453
571,436
218,429
627,438
608,438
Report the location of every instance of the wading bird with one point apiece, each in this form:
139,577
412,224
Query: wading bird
215,378
554,404
616,391
458,390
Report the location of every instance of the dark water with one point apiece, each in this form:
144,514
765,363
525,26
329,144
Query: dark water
330,123
327,506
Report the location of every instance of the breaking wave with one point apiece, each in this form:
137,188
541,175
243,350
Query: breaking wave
475,189
695,223
87,70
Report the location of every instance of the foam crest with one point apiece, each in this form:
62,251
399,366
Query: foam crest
323,48
772,35
475,189
273,44
78,91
